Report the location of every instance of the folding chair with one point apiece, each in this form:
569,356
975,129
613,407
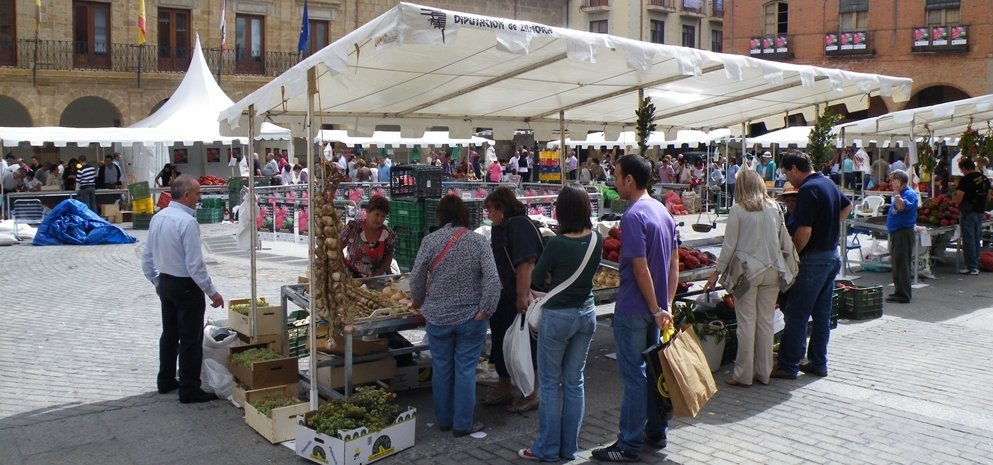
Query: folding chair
852,243
27,212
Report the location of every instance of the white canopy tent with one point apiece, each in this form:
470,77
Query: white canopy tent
795,135
420,67
396,139
599,139
946,120
270,131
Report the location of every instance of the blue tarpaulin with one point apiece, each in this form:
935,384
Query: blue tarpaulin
71,222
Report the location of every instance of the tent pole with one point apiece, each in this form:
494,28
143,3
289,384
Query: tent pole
312,332
744,140
252,205
562,148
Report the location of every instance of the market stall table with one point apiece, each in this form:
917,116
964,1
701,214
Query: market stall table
52,198
877,225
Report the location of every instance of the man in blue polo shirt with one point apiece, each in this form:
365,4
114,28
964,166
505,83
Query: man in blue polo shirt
900,224
820,209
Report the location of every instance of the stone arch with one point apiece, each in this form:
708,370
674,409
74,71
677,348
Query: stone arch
116,98
13,113
935,94
90,112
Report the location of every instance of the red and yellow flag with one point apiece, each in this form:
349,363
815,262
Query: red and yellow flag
141,22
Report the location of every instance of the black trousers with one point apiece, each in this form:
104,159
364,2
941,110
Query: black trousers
500,322
183,307
901,259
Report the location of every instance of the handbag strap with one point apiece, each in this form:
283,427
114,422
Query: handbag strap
448,247
594,237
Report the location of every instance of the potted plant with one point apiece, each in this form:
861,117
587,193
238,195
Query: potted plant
645,124
713,334
820,144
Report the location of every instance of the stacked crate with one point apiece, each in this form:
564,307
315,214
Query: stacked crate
210,211
407,222
142,206
476,208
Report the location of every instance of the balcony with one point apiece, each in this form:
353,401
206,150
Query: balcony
59,55
717,9
772,47
661,5
595,5
932,39
848,43
694,7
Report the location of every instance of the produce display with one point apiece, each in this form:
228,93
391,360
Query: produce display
244,308
606,277
674,203
939,211
401,298
691,259
338,297
369,407
612,245
212,181
248,357
267,404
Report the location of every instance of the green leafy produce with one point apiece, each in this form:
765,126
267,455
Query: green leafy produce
247,307
267,404
369,407
250,356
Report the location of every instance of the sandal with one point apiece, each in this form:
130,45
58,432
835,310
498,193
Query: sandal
525,404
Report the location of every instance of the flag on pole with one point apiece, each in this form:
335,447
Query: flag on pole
141,22
304,30
224,27
37,15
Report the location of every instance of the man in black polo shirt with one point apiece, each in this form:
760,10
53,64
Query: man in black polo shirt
970,197
820,209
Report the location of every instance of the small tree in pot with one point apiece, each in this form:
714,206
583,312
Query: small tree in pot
820,143
645,124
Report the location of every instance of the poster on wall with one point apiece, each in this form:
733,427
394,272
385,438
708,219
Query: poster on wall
213,155
180,156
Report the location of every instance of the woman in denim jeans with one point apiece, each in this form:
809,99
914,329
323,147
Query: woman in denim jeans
565,331
454,282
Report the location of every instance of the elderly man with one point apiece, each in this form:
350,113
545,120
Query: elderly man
900,224
768,167
173,262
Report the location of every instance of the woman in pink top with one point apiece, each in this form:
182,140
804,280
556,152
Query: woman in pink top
495,171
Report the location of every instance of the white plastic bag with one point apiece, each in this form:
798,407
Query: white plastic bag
219,350
517,355
218,378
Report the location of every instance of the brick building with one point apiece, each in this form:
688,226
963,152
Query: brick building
943,45
83,70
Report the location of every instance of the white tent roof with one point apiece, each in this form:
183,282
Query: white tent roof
270,131
694,138
599,139
947,120
795,135
418,67
394,138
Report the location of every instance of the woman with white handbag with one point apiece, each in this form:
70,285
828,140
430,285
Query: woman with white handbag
565,327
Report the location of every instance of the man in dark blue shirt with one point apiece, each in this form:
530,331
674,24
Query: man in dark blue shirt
900,222
820,209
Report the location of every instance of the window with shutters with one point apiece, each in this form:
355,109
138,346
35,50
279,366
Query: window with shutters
942,12
775,18
689,36
91,35
319,35
657,29
174,39
599,26
853,15
8,33
716,40
250,44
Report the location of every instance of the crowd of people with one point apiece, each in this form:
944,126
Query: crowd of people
76,174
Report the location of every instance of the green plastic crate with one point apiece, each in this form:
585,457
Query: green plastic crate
213,202
139,190
476,207
210,215
140,221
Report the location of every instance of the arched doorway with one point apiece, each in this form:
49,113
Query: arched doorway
934,95
13,114
90,112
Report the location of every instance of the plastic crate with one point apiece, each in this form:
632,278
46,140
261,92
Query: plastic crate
476,208
140,221
139,190
416,182
210,215
143,206
407,222
213,202
863,303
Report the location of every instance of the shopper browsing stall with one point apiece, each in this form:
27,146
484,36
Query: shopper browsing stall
758,260
456,320
900,223
973,190
368,242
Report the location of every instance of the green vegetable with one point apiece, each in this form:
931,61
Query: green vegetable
247,307
369,407
267,404
250,356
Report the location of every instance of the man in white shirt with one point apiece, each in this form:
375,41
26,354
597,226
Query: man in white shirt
571,164
514,164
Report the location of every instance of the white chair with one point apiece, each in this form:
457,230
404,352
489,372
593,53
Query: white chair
27,211
870,206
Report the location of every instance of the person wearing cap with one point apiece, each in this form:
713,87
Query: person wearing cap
768,170
788,197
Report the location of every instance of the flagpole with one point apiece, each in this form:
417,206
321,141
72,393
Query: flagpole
34,66
140,47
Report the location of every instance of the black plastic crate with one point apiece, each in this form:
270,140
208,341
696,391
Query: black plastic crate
476,208
416,182
863,303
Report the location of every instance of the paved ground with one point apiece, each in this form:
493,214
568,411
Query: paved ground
78,360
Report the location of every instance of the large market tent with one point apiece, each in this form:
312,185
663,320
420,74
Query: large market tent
599,139
420,67
396,139
795,135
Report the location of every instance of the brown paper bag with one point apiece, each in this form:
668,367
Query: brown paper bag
687,374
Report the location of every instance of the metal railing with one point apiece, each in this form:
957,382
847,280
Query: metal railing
595,3
693,6
670,4
60,55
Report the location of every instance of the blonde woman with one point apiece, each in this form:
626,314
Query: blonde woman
757,261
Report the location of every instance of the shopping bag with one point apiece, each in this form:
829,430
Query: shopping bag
517,355
688,379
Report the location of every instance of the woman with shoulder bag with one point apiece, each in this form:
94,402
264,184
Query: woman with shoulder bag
757,261
566,326
456,320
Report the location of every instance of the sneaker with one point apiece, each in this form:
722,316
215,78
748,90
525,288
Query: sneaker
809,369
969,272
614,453
658,441
973,272
476,427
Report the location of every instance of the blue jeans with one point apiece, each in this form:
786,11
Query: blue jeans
455,351
639,410
564,336
971,224
809,297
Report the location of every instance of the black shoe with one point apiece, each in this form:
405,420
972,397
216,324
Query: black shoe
807,368
658,441
613,453
167,387
196,397
445,429
476,427
898,300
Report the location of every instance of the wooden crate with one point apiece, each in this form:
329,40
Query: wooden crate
281,427
267,319
267,373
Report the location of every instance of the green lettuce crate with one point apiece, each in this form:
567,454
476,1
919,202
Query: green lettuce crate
863,303
407,222
139,190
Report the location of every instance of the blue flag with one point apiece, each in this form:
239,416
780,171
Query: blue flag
304,30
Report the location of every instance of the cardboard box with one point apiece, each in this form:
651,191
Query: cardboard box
412,377
362,373
337,346
109,209
267,319
269,340
281,427
357,446
269,373
118,218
